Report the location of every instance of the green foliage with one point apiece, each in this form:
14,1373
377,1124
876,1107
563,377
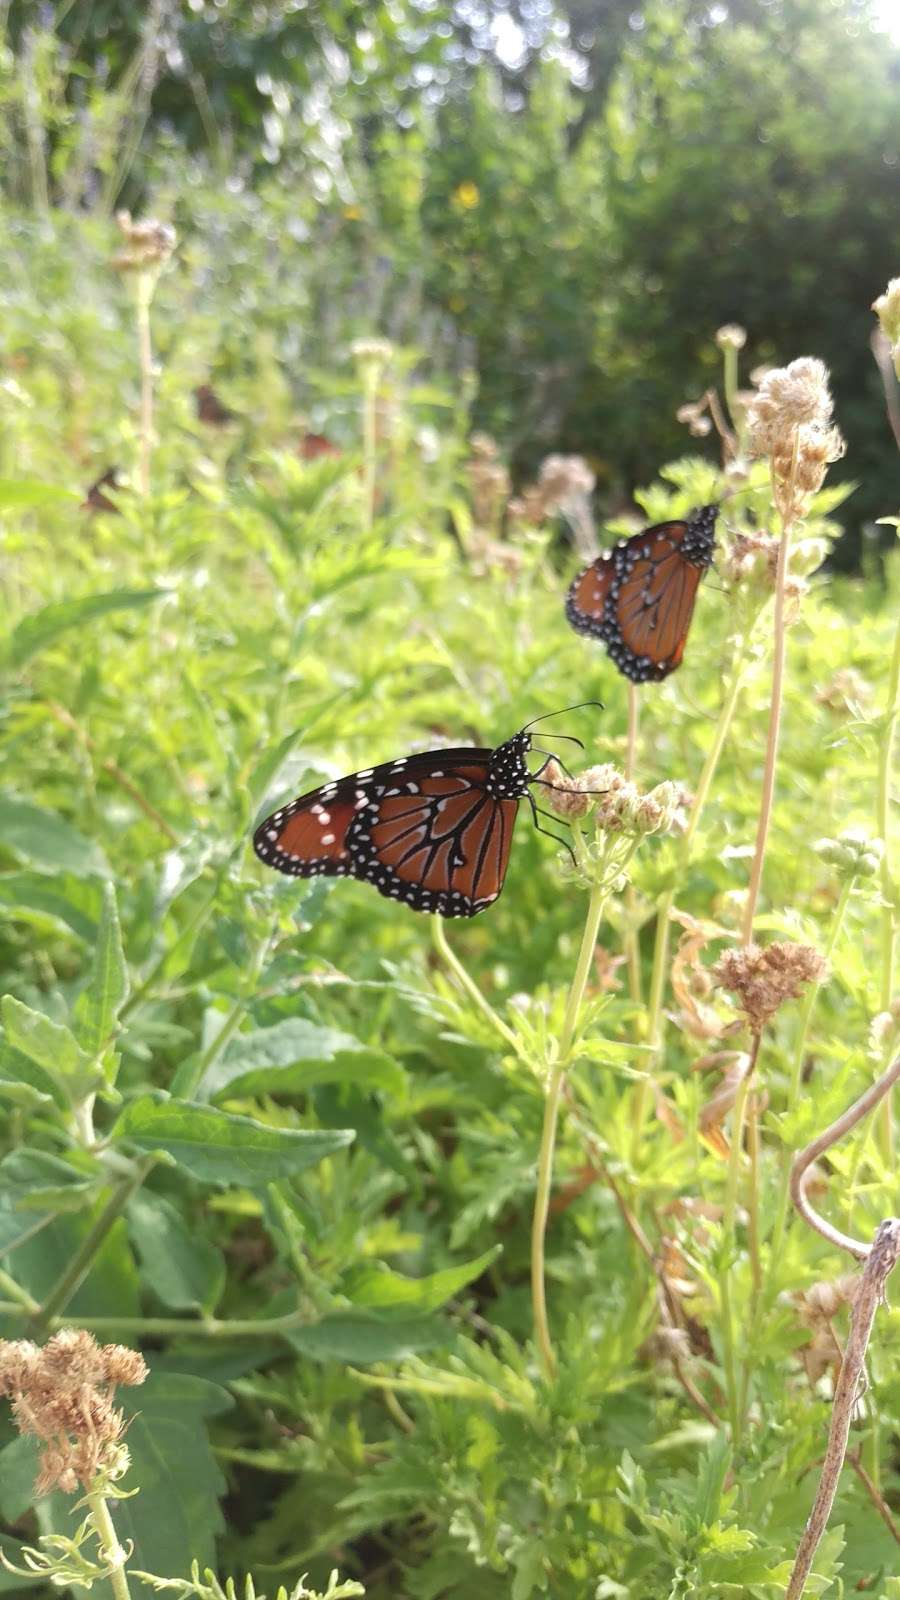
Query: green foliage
260,1128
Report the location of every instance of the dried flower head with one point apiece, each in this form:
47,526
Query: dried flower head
371,357
562,476
63,1395
565,797
750,560
887,310
790,421
884,1032
731,336
484,447
846,693
488,482
148,244
761,980
693,413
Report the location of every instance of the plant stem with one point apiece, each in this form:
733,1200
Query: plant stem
809,1001
82,1261
632,946
728,1246
111,1552
143,289
888,886
9,1286
371,376
882,1256
471,988
659,973
191,1075
768,788
548,1132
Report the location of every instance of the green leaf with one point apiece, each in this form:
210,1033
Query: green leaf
182,1268
17,1069
218,1148
360,1340
47,840
51,1046
294,1055
35,632
35,1179
23,1094
373,1284
62,900
100,1003
26,492
18,1470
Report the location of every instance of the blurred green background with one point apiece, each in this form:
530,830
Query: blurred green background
563,200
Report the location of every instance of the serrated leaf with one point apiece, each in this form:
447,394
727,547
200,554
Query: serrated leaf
373,1284
216,1147
43,627
182,1268
100,1003
292,1056
23,1094
359,1340
50,1045
47,840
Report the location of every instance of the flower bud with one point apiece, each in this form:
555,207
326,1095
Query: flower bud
731,336
854,854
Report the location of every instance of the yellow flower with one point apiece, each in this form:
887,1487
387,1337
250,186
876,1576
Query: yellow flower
466,194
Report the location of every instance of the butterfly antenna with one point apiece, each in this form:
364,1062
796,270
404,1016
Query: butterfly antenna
569,736
561,713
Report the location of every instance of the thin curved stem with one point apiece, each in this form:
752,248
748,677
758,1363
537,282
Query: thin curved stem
817,1147
548,1132
471,988
80,1265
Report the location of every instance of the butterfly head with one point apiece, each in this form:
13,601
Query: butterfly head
508,774
699,542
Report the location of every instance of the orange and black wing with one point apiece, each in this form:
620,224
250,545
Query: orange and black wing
639,597
587,599
423,830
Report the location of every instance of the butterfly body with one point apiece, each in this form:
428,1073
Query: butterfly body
639,597
432,829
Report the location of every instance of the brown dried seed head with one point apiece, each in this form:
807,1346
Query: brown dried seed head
789,398
761,980
123,1366
73,1357
19,1360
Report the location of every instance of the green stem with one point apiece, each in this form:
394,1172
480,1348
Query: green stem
177,1327
144,284
24,1299
188,1077
548,1132
659,973
188,932
84,1257
471,988
111,1552
888,887
729,1250
371,377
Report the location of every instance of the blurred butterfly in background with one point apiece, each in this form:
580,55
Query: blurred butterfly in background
639,597
210,409
96,499
432,829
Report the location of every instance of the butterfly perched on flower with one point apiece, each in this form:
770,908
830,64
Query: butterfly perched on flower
639,597
433,829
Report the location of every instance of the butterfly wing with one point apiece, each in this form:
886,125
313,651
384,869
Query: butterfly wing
639,597
587,599
654,603
423,830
